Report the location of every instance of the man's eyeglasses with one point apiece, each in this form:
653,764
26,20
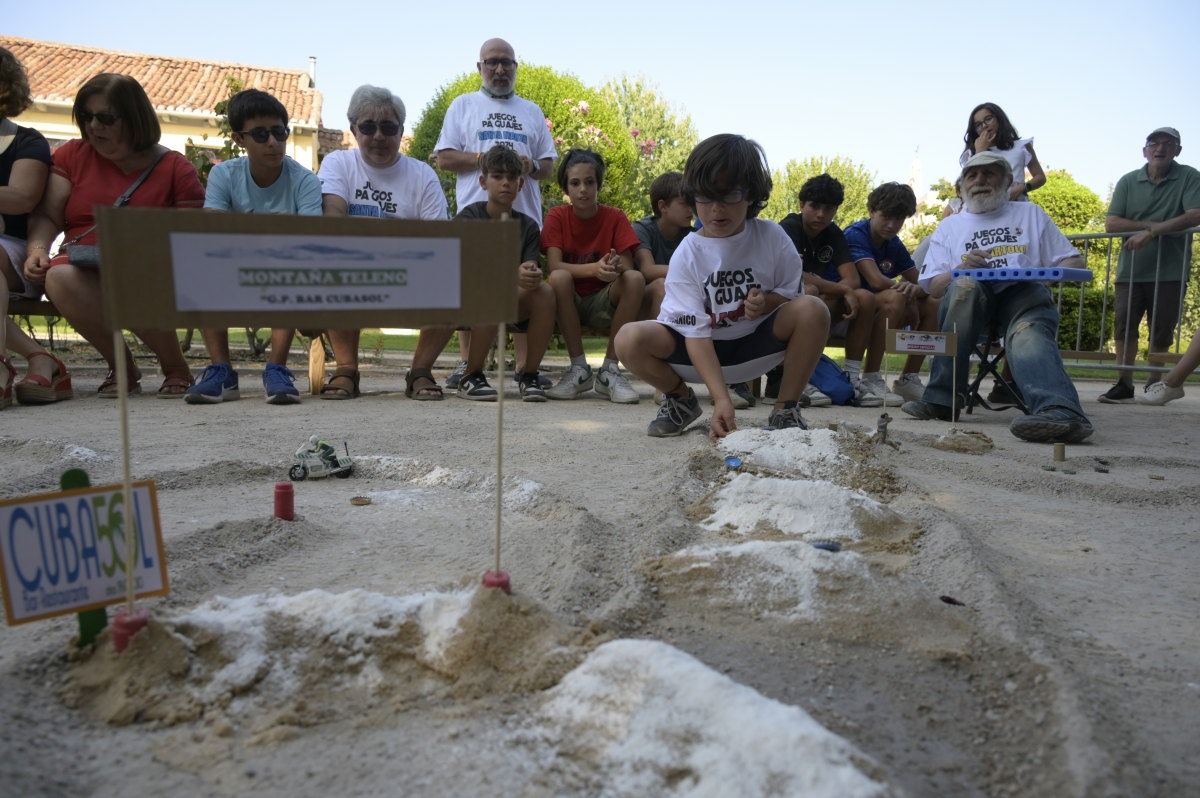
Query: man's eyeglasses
369,127
104,118
492,63
732,198
261,134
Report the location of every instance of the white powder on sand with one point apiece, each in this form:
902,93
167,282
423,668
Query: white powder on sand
784,450
807,508
652,720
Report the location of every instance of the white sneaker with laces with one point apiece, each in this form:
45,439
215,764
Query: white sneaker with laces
1159,394
816,398
574,381
879,388
864,394
613,384
909,386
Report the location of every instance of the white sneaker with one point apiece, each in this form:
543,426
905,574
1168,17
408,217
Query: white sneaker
879,388
815,397
612,383
574,381
864,394
1159,394
909,386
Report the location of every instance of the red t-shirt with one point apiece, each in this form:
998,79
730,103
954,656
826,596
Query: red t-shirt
588,240
95,180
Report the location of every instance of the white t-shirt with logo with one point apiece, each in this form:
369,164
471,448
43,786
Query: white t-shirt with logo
708,279
1017,235
1018,157
475,122
408,189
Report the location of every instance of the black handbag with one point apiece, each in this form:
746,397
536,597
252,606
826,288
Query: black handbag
87,256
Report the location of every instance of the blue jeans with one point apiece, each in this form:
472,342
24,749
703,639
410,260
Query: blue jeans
1025,315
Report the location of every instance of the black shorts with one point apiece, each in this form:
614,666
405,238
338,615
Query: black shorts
741,359
1135,300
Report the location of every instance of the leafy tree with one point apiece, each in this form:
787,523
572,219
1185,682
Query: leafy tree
855,179
204,158
577,115
663,140
1075,208
944,189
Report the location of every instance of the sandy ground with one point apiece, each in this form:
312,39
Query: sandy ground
1071,666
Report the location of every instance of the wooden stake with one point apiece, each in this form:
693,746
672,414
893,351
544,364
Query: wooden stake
126,468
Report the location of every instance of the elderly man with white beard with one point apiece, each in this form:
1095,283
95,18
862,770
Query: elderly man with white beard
992,232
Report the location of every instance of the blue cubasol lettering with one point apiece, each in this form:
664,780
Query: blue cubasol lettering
66,542
89,555
43,516
147,560
28,583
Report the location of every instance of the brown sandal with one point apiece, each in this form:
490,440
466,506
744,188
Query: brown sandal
38,390
342,385
175,386
431,392
109,390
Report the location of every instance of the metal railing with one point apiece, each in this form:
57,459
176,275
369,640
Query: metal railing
1089,245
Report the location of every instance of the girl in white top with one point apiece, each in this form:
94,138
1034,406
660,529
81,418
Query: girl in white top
988,128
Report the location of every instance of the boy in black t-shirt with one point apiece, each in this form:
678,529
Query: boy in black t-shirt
500,175
660,234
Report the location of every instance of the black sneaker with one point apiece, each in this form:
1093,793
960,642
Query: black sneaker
476,388
927,411
1053,425
530,386
1001,395
675,413
774,377
787,417
1119,394
741,395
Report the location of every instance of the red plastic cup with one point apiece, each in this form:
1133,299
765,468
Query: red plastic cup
285,501
125,625
497,579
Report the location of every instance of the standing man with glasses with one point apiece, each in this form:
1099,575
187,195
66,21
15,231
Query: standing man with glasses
1160,198
478,121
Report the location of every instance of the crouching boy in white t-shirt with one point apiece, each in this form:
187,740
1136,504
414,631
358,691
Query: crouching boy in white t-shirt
734,306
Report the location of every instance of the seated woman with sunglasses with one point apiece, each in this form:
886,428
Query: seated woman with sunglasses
119,143
374,180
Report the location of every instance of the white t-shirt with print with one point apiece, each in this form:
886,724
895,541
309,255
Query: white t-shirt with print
1018,157
408,189
708,279
475,122
1017,235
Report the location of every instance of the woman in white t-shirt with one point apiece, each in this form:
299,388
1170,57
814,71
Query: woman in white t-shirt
988,128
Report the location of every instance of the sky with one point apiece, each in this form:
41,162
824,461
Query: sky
881,83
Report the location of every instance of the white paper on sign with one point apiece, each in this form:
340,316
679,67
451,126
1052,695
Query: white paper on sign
242,271
920,343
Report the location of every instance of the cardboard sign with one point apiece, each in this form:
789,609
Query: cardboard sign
171,268
915,342
65,552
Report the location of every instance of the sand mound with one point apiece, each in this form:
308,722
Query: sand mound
809,452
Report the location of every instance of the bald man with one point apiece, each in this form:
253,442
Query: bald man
478,121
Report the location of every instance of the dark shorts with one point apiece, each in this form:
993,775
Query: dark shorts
741,359
1135,300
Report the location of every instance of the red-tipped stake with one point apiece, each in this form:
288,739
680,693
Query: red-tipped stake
285,501
126,624
497,579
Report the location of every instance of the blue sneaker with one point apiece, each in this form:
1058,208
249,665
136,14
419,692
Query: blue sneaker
218,383
280,385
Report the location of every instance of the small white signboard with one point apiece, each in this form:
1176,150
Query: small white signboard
242,271
915,342
65,552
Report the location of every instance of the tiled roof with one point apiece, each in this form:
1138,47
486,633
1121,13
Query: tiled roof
56,71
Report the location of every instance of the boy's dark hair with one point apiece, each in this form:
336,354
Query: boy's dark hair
251,103
1006,135
724,163
502,160
894,200
665,188
823,190
126,99
576,157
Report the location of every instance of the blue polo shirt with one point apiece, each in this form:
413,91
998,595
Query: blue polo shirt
892,258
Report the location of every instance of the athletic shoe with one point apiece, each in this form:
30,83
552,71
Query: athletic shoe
926,411
544,381
1054,425
218,383
456,376
909,386
675,413
864,394
280,385
1159,394
1119,394
574,381
476,388
741,395
787,418
530,387
774,377
611,382
1001,395
813,397
879,388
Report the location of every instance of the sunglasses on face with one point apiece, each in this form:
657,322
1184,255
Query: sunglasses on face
261,134
369,127
732,198
104,118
